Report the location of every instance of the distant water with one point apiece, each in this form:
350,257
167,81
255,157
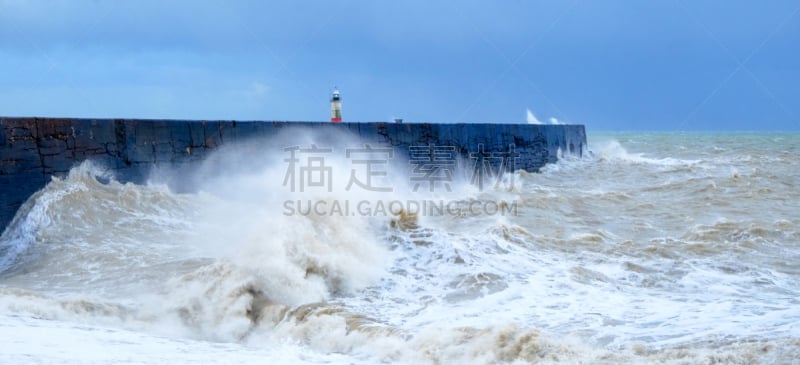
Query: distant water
656,248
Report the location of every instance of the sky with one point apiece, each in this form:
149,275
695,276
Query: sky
665,65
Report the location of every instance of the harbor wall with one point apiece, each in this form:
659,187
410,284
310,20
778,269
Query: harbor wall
33,150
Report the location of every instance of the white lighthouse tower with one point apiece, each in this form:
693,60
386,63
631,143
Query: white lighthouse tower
336,107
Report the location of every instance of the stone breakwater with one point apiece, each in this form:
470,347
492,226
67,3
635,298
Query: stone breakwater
32,150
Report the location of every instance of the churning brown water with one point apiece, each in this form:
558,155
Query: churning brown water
657,248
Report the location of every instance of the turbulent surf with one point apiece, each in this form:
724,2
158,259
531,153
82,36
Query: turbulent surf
655,248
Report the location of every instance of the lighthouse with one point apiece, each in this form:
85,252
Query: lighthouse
336,107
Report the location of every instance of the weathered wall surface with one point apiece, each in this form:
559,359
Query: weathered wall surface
34,149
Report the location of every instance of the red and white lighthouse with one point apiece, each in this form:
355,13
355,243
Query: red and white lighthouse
336,107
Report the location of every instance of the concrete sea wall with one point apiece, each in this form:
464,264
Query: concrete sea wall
32,150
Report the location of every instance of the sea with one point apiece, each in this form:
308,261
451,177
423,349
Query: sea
667,248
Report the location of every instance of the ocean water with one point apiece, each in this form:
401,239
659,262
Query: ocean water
655,248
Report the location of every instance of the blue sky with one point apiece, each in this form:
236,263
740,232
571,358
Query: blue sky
612,65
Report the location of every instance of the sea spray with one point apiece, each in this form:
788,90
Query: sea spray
654,252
